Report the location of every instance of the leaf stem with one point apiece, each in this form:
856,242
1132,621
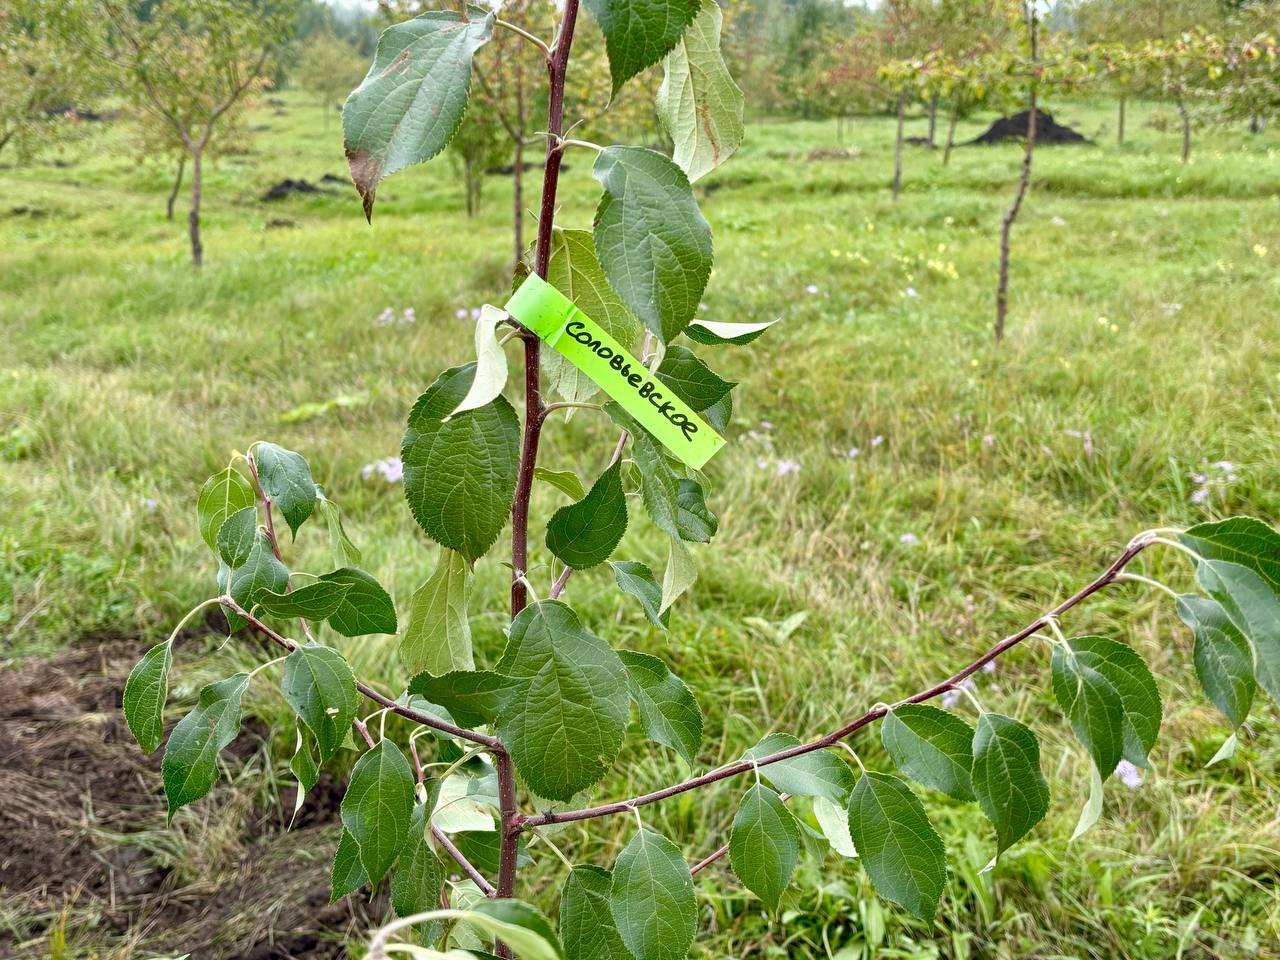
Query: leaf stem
1136,578
191,613
521,32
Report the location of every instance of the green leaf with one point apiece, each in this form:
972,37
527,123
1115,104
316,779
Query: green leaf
419,875
668,711
491,363
261,574
411,103
484,849
833,819
1006,777
526,922
1092,705
899,849
586,923
567,709
698,102
818,773
764,844
650,237
713,334
576,273
566,481
583,534
1133,681
316,601
680,574
636,579
1223,657
639,33
652,900
287,482
1092,809
303,766
1243,540
471,697
145,693
932,747
460,474
378,807
660,485
366,608
319,685
693,381
190,765
347,875
344,552
697,523
236,536
438,636
1254,608
222,495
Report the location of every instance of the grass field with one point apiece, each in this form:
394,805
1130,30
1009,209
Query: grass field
987,483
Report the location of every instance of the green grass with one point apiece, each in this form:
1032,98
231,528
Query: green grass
1144,342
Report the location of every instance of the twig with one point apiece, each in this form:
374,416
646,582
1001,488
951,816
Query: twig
467,867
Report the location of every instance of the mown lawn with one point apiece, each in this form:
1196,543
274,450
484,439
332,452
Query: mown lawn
896,494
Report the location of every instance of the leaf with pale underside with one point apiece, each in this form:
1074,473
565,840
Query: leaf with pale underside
583,534
1223,657
713,333
411,103
190,766
378,807
652,900
639,33
491,362
222,495
932,747
698,102
145,693
668,711
344,552
650,237
901,852
438,636
680,574
764,844
286,480
1006,777
566,481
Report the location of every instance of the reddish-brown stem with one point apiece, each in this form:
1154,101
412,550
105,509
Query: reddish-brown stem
460,859
742,766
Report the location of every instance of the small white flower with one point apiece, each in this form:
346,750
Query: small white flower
911,292
410,315
762,464
461,313
877,440
1200,495
1129,775
386,317
853,452
910,539
475,313
702,306
811,288
766,425
988,441
1058,222
150,503
1225,465
787,467
390,468
1199,478
989,667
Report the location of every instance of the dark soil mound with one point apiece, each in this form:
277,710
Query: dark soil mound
334,178
1048,130
289,186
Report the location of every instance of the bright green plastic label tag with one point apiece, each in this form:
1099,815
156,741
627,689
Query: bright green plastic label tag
562,326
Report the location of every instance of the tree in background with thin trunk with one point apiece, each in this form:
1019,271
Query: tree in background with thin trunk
190,63
327,67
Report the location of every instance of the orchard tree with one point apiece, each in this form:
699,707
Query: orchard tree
508,746
327,66
189,63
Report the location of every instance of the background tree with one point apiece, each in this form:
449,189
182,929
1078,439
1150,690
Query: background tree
190,62
329,66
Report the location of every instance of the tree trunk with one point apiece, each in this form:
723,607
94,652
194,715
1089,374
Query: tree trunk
193,218
177,185
1257,124
933,120
897,146
1120,124
1186,130
517,168
1002,290
951,135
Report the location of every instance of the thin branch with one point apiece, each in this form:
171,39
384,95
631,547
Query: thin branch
467,867
1109,576
521,32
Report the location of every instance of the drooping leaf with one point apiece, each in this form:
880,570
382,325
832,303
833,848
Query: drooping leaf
237,535
697,523
639,33
304,767
1254,609
636,579
932,747
1132,679
319,685
460,474
833,820
583,534
419,875
365,608
378,807
901,852
819,773
438,636
1243,540
471,697
668,711
190,766
514,916
1091,812
1006,777
576,273
145,693
410,104
222,495
698,102
1092,705
347,874
261,574
660,484
651,239
652,900
567,709
344,552
692,380
286,480
764,844
316,601
713,333
566,481
680,574
1223,657
491,363
586,923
